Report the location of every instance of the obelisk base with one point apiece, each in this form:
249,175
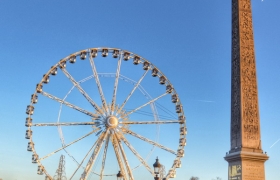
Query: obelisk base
246,165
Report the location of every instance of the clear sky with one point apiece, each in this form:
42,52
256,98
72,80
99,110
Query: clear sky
189,41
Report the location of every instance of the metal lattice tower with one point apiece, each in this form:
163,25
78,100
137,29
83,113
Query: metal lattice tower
60,172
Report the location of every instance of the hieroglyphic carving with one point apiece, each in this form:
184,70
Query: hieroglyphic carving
253,170
250,109
245,130
235,81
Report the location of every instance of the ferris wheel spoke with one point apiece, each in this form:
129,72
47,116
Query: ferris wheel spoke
137,155
116,83
148,141
151,101
130,94
151,122
130,175
63,147
68,104
98,83
116,149
80,164
77,85
94,155
104,156
66,124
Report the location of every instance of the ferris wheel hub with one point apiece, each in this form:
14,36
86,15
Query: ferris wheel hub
112,121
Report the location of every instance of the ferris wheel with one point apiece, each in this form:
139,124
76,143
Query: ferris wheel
106,114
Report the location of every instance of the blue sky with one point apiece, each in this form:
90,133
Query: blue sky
189,41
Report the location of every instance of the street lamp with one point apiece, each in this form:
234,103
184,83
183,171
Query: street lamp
156,177
119,176
157,166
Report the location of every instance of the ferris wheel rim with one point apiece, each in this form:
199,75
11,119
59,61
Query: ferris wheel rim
62,63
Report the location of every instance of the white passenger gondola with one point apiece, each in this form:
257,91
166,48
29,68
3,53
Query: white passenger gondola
126,56
177,163
136,60
30,146
172,173
83,55
178,108
116,53
182,118
40,170
182,142
28,122
169,88
39,88
62,64
34,158
162,80
174,98
154,72
93,53
28,134
72,59
180,153
104,52
183,131
29,109
46,79
34,98
146,65
54,70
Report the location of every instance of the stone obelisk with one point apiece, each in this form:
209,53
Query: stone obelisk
246,158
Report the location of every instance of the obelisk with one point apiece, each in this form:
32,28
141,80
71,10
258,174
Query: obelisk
246,158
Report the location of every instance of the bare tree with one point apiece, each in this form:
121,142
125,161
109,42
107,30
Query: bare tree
194,178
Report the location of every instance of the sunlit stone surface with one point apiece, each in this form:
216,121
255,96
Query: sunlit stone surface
246,158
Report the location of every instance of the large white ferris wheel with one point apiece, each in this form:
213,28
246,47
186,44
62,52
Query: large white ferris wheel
106,115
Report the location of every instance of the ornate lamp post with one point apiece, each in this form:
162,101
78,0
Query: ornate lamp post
156,177
119,176
157,167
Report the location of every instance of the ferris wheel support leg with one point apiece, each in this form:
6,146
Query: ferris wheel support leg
130,175
115,145
137,155
94,155
95,74
104,156
80,164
